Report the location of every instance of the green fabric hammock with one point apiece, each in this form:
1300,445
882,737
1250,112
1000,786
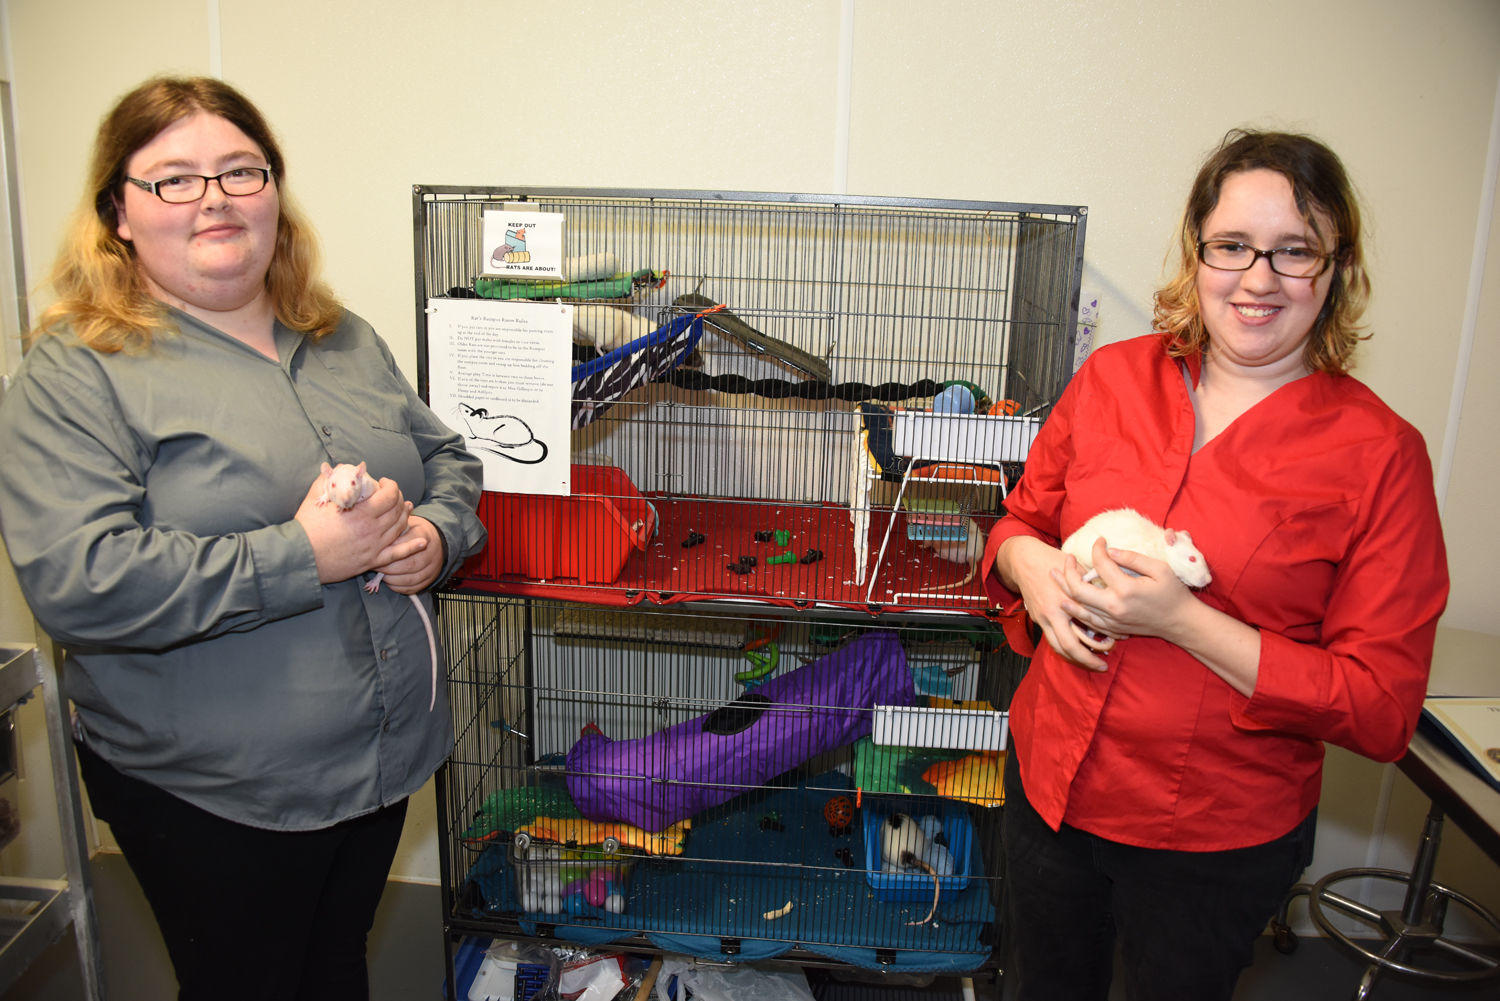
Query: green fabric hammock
615,287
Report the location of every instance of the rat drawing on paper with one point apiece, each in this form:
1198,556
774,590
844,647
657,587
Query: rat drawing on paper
1126,528
903,845
501,434
968,551
513,250
345,486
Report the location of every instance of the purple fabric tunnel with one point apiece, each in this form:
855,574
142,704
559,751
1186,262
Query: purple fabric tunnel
653,782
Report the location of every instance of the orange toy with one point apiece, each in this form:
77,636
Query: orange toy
839,812
973,779
576,831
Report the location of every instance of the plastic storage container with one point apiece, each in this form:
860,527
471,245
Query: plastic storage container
587,536
583,882
963,437
914,884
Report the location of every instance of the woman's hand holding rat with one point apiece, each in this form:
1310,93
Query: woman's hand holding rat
1155,603
1032,569
417,571
1149,603
368,536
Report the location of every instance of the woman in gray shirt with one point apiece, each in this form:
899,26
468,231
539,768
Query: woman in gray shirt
251,720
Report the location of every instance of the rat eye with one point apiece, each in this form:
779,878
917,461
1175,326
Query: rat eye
1192,559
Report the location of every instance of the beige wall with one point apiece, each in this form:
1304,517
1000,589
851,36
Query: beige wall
1104,103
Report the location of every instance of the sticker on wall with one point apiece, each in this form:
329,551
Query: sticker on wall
523,244
1088,324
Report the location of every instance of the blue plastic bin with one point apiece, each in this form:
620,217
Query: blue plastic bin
958,832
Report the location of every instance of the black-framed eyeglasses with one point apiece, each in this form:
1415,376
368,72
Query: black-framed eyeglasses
1289,262
181,188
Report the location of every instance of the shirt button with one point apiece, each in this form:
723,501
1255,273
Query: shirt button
385,727
385,654
327,431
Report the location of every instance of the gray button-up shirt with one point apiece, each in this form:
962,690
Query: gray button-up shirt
147,503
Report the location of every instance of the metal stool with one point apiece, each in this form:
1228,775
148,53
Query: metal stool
1403,934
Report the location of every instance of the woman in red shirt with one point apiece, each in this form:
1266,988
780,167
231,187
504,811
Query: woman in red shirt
1162,782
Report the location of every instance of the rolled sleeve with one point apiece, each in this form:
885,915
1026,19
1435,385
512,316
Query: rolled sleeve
1033,508
1013,617
284,565
1362,686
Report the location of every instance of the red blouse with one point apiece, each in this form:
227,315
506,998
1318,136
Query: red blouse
1316,513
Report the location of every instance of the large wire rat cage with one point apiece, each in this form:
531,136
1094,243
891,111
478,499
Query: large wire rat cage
736,693
788,398
721,785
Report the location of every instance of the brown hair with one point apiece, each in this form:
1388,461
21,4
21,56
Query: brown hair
101,292
1319,185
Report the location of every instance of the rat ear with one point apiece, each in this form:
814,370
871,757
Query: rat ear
360,469
1171,536
325,469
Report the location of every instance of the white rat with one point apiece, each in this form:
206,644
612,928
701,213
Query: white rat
968,551
345,486
1126,528
903,845
608,327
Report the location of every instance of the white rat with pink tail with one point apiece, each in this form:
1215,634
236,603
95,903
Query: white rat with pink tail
1126,528
345,486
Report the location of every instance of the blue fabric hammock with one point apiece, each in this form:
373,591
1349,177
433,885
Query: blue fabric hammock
598,383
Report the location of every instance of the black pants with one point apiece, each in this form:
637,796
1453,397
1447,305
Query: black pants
1186,922
249,913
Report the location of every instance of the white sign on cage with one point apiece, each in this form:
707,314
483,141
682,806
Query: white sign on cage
499,373
523,244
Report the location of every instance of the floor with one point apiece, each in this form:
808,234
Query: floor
406,962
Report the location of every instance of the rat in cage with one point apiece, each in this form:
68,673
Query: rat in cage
968,551
904,845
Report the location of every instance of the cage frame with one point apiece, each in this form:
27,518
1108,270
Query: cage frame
1065,280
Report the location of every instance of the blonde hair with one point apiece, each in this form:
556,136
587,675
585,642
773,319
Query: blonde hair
1319,186
101,292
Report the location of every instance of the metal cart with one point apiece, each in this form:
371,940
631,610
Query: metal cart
38,910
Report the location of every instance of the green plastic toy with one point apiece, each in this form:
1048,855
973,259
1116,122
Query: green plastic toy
762,660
